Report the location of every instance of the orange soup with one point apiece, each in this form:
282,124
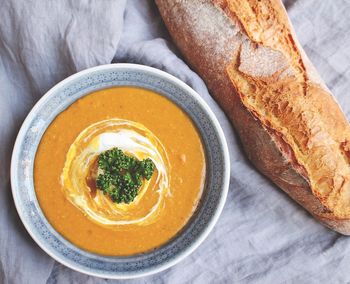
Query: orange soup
142,124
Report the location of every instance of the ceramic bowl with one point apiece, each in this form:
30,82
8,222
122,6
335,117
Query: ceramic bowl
58,99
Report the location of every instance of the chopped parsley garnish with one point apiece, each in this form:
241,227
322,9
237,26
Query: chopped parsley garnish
120,176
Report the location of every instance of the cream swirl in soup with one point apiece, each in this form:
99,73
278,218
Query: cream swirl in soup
132,138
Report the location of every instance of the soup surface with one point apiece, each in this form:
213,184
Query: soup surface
144,125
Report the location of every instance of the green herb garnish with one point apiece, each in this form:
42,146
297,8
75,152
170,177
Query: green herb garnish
120,176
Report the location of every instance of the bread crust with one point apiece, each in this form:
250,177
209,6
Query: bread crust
290,126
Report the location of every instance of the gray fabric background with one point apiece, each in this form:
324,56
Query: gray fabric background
262,236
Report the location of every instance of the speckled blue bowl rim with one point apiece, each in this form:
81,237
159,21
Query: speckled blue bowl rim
59,98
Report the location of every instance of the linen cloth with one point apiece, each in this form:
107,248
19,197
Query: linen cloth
262,236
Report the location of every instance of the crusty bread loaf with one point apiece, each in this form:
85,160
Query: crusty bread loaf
292,129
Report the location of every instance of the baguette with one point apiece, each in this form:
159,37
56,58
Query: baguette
290,126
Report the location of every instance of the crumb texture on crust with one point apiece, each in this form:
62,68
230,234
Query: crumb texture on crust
250,45
271,78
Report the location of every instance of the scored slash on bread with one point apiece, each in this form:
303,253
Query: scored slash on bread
290,126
